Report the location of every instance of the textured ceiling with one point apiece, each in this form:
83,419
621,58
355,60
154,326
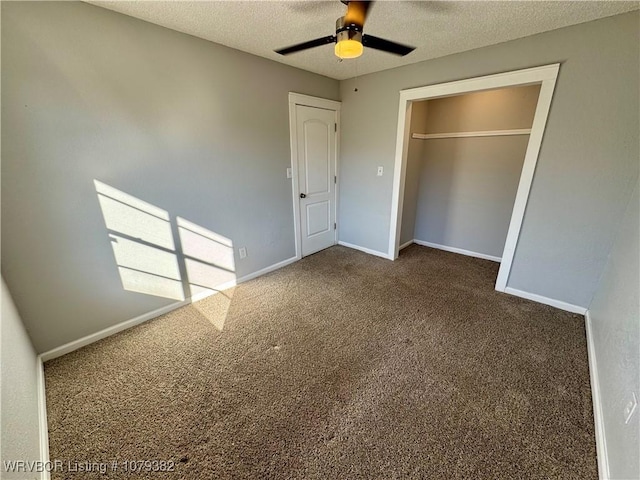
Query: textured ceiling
436,28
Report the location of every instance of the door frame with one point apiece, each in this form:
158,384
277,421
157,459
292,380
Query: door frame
325,104
545,76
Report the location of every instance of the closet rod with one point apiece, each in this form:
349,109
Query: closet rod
485,133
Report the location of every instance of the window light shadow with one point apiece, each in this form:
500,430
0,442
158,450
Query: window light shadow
131,216
208,258
146,269
144,240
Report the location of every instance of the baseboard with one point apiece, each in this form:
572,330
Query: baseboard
269,269
364,249
42,419
219,288
107,332
601,443
547,301
405,245
461,251
202,295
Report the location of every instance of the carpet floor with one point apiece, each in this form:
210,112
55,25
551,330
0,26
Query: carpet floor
340,366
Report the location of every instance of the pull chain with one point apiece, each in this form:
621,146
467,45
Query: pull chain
356,79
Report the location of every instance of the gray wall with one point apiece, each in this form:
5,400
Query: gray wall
588,158
615,322
467,186
415,154
195,129
19,420
499,109
467,191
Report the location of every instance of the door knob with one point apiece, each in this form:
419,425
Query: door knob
302,195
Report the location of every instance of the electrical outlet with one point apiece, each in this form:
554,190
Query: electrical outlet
380,171
289,174
630,408
242,251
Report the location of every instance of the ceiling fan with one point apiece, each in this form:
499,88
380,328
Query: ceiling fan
349,39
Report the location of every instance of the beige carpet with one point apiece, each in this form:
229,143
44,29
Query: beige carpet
340,366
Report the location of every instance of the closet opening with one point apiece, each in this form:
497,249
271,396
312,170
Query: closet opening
465,159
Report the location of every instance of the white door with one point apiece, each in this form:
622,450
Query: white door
316,153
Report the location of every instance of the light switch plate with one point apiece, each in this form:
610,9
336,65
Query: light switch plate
289,172
380,171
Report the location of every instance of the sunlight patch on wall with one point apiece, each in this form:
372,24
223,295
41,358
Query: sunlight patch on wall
148,261
208,258
142,243
131,216
145,269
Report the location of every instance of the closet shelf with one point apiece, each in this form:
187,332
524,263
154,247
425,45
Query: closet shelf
484,133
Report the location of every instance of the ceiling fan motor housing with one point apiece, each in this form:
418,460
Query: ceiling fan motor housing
348,31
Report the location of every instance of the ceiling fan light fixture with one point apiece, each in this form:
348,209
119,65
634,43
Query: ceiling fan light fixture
348,49
349,39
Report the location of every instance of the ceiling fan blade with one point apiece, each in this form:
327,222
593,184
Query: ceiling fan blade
304,46
386,45
357,12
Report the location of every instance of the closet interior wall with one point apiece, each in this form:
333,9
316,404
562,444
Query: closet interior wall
459,192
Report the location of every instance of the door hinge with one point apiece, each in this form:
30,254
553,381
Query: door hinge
335,179
335,226
335,127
